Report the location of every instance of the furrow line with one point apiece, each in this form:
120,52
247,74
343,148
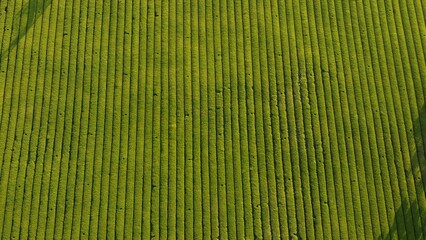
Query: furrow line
75,83
416,96
368,135
42,142
188,158
211,75
99,64
112,222
90,100
354,127
409,66
172,116
251,120
156,119
133,61
277,98
336,125
268,98
243,124
196,121
316,89
226,50
219,118
5,17
381,120
405,117
180,125
380,166
84,95
21,118
238,196
310,101
164,170
28,122
104,229
147,224
141,119
390,116
122,156
305,133
10,116
37,74
204,120
285,107
55,120
56,191
396,121
324,113
77,196
296,129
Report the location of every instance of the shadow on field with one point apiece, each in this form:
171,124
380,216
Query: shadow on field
410,217
24,19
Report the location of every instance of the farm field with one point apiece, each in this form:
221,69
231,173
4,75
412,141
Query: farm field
202,119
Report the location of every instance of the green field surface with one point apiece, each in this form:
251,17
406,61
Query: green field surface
212,119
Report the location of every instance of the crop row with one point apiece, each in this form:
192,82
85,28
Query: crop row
212,119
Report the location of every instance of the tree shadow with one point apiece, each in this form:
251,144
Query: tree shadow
410,217
24,19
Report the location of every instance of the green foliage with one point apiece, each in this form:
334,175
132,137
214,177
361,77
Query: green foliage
212,119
